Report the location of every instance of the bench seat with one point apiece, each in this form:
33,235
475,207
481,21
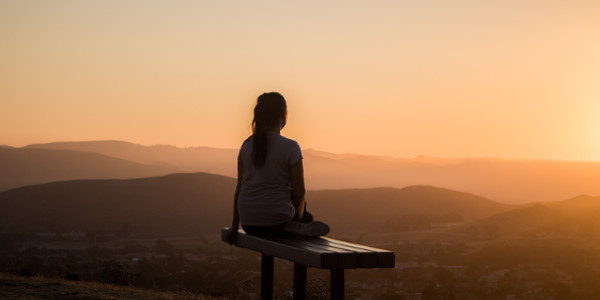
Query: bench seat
317,252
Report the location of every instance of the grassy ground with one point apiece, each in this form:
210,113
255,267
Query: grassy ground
34,288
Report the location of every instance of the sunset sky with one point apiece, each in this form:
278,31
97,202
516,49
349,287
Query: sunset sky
513,79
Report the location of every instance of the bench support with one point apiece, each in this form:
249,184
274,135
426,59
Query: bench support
266,277
266,283
305,252
299,281
337,284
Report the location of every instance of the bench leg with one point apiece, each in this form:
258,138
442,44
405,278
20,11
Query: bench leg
266,277
337,284
299,282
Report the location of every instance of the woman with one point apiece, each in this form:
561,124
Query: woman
269,196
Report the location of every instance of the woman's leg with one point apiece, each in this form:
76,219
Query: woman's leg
307,226
264,230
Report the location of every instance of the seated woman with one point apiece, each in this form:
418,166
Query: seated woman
269,196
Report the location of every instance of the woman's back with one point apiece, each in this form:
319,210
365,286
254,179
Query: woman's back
265,194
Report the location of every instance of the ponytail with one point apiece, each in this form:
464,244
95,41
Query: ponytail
269,112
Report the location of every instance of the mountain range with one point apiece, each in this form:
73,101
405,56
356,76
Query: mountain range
198,204
502,180
201,203
28,166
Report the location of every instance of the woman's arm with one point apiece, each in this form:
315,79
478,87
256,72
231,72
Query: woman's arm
235,222
298,189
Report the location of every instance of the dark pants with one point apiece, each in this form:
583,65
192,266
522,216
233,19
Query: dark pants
265,230
276,229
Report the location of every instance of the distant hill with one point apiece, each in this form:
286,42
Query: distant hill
173,205
354,209
200,203
194,159
21,167
533,220
576,217
504,180
582,204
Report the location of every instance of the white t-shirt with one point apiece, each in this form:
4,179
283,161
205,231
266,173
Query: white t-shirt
265,197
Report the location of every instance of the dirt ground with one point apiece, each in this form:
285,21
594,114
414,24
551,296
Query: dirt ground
34,288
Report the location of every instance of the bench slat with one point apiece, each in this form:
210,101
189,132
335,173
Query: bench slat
385,258
347,259
322,252
318,258
365,258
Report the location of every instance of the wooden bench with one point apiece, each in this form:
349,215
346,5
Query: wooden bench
321,252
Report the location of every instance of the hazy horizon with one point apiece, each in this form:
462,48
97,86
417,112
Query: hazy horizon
316,150
499,179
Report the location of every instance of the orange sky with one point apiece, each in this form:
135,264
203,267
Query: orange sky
515,79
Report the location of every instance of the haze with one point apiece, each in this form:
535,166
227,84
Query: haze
512,79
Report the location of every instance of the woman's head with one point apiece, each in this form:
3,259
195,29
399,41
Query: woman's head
270,114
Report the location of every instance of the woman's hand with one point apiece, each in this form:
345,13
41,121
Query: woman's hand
230,235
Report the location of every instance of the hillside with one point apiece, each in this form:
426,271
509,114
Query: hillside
533,220
502,180
200,203
21,167
33,288
508,181
173,205
582,204
575,217
194,159
357,208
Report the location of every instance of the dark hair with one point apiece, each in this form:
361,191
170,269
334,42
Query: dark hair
270,112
